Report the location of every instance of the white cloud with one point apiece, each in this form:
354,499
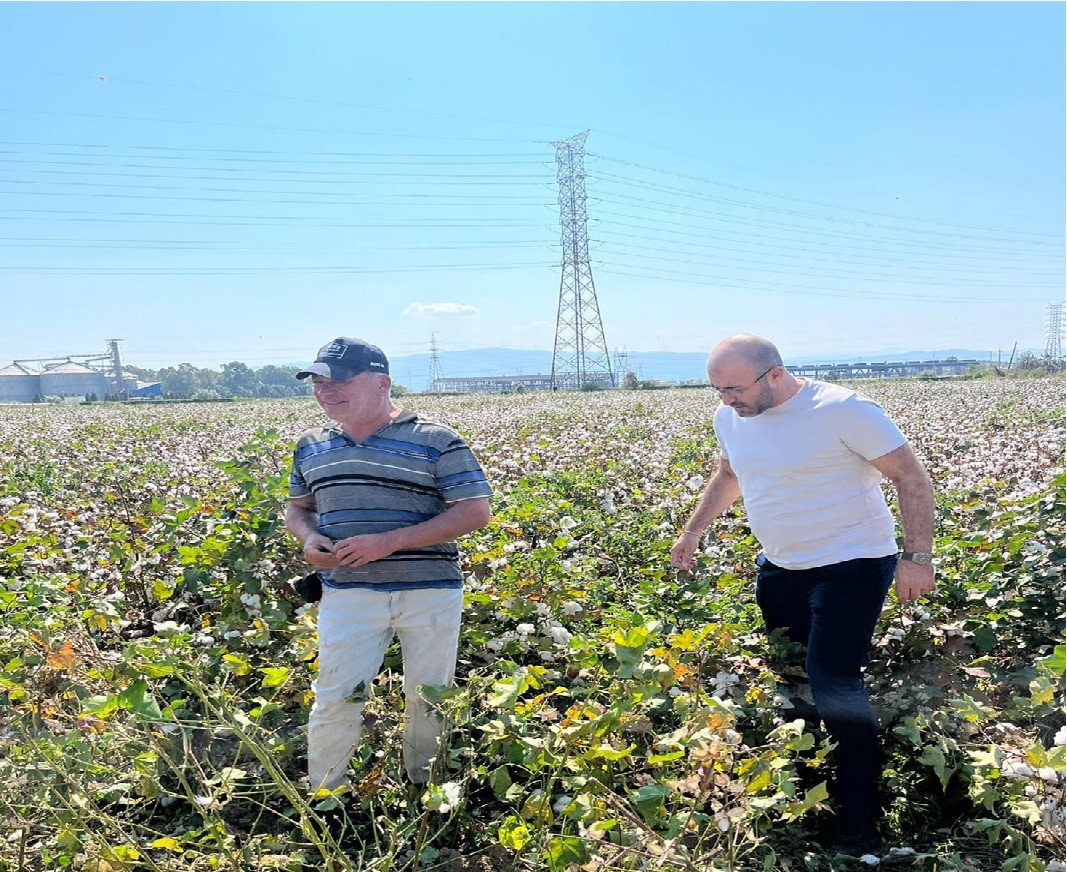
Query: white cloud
424,310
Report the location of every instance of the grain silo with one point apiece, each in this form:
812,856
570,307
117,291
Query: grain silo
73,380
19,384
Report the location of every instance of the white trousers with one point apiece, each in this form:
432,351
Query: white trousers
355,628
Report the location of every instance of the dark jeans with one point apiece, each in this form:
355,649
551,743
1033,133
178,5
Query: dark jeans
831,611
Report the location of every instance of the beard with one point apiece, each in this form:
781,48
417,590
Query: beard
759,404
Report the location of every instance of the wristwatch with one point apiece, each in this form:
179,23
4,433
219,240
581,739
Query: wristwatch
924,558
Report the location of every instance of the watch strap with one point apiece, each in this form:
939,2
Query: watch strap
924,558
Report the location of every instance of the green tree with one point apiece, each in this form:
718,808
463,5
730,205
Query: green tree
237,380
279,381
180,381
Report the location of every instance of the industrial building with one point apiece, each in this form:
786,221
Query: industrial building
20,383
74,378
495,384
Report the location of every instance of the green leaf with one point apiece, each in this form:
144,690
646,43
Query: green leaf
1042,691
934,757
760,781
654,759
1027,810
985,639
230,774
812,797
687,640
506,691
970,710
155,670
803,742
606,752
909,730
237,664
1055,665
500,781
125,853
140,701
161,590
1036,755
102,705
564,851
988,758
635,638
513,833
649,800
68,840
275,676
168,843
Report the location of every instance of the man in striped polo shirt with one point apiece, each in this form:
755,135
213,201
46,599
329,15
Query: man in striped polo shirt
377,501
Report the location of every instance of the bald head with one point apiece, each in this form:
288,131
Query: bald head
747,372
753,351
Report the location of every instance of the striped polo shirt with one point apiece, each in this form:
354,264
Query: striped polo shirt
406,473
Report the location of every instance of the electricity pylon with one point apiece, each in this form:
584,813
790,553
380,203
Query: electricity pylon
580,356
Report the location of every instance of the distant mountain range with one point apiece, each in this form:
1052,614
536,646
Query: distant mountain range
413,370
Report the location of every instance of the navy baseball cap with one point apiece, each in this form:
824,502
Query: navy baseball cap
345,358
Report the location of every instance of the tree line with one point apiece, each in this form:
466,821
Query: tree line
234,380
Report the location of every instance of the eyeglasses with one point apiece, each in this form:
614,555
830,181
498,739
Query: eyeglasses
738,391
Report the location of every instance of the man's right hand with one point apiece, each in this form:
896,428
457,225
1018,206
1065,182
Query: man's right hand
318,551
685,547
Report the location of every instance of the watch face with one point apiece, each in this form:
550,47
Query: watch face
918,557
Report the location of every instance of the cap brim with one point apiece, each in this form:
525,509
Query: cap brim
328,370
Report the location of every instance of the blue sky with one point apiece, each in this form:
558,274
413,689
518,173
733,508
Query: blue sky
245,181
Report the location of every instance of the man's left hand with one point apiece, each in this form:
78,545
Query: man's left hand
361,550
913,580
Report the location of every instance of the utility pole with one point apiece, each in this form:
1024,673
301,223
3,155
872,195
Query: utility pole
580,355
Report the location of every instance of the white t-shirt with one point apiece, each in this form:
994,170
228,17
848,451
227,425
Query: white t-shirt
811,496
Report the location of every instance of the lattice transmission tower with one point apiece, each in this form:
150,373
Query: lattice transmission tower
1054,333
435,365
580,356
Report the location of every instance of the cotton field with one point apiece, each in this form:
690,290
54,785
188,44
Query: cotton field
609,713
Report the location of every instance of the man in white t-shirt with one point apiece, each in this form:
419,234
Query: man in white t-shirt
808,458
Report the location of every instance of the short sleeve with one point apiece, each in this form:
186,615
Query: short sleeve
297,485
718,434
459,475
864,427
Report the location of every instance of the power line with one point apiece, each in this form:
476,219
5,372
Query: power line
271,270
474,199
940,252
234,124
252,156
657,224
746,286
811,202
660,206
260,220
764,266
185,86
